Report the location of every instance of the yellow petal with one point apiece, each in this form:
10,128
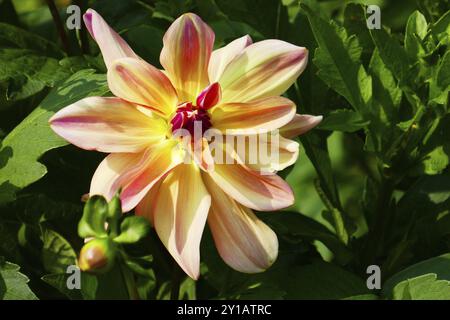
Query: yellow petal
181,209
244,242
185,55
135,174
146,207
139,82
222,57
251,188
111,44
300,124
269,156
264,69
254,117
108,125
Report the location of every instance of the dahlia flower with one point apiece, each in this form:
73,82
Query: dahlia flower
236,90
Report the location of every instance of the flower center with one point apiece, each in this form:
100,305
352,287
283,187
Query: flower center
189,117
195,117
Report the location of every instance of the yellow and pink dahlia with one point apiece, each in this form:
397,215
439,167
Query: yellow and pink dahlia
236,90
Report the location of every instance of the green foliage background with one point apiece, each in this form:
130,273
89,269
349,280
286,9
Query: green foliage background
372,183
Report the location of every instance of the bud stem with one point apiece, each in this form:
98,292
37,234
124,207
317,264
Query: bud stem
128,277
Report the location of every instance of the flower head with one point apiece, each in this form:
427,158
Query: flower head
234,90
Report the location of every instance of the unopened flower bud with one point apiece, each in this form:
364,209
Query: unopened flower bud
97,256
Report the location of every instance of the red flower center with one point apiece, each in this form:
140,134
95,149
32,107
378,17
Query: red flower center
188,115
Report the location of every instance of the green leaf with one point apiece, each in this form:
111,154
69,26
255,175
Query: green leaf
297,224
416,29
25,73
441,29
133,229
425,287
338,61
23,146
356,24
108,286
187,290
59,282
436,161
385,89
92,223
440,266
14,37
443,75
140,265
13,284
316,149
387,97
323,281
392,53
57,253
343,120
440,83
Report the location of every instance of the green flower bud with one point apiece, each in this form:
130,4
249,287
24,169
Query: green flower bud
97,256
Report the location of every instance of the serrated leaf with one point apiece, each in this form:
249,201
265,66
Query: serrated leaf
343,120
338,61
59,282
25,73
23,146
425,287
356,24
385,88
438,265
392,53
13,284
57,253
14,37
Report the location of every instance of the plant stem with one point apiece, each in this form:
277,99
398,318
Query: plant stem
82,32
176,281
59,25
128,277
336,214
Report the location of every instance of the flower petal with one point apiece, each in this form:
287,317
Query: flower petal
108,125
222,57
251,188
264,69
111,44
254,117
139,82
146,207
280,154
209,97
244,242
300,124
185,55
135,174
181,210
